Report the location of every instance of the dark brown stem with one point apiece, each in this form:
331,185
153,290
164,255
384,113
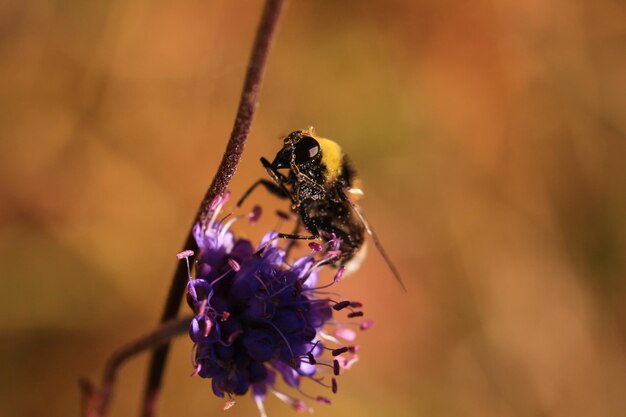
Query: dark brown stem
170,311
95,403
241,128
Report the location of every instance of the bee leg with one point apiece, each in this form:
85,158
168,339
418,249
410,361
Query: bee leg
293,238
297,237
276,176
291,243
269,186
306,221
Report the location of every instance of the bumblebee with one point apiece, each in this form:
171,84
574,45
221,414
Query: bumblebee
321,182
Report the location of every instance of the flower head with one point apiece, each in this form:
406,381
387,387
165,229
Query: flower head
259,316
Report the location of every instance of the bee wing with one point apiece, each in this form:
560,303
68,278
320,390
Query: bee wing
379,246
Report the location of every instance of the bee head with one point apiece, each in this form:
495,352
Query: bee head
298,148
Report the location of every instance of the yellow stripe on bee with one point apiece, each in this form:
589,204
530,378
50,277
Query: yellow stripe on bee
332,157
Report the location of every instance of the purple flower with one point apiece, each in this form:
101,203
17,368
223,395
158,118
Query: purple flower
259,316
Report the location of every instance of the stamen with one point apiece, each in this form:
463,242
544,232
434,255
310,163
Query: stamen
215,202
311,358
197,370
255,214
320,380
194,352
334,388
317,342
229,403
356,304
366,324
328,337
282,215
225,197
184,254
259,404
224,227
202,308
223,219
341,305
234,264
335,367
192,291
339,351
334,241
208,325
215,208
323,400
300,406
319,264
310,397
345,334
355,314
261,249
316,290
316,246
339,273
216,280
234,335
347,363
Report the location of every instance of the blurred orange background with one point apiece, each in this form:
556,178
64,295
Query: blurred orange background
490,137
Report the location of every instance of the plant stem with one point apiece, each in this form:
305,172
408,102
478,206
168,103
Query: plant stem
241,128
95,403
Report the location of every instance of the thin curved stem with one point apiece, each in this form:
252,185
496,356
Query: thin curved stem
95,404
241,128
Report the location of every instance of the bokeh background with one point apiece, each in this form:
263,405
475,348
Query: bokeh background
490,136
